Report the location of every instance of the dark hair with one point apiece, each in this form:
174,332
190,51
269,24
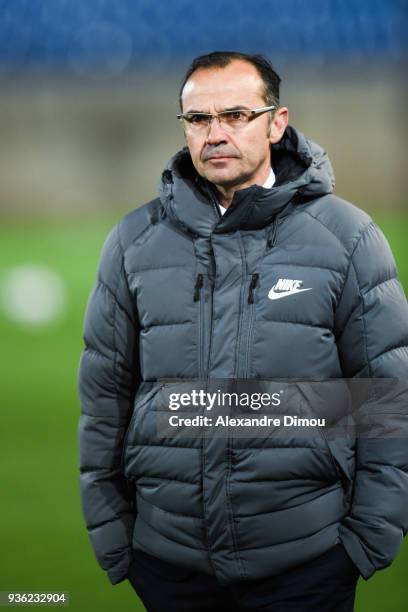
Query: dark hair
220,59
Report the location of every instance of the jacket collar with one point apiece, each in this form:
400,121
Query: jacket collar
301,168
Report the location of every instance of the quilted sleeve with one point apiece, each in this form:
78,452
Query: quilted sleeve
107,380
372,340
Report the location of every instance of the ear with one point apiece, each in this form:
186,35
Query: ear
278,125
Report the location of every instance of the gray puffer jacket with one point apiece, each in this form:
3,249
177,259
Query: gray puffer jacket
182,293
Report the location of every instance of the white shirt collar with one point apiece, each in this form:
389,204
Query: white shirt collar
270,181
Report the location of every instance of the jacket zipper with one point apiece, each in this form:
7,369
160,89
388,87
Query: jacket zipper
205,316
252,285
251,290
245,331
248,316
199,296
244,335
210,329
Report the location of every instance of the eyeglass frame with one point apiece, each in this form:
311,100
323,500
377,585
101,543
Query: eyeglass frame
255,112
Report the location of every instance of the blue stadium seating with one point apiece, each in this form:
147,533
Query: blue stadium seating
115,35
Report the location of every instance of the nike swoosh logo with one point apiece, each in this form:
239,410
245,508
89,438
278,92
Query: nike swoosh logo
272,295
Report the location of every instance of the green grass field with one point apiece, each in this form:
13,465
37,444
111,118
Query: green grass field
44,542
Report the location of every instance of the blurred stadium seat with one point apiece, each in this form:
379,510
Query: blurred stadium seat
79,35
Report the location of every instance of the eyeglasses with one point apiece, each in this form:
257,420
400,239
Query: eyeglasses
229,120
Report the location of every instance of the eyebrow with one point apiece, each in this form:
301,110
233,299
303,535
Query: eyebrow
231,108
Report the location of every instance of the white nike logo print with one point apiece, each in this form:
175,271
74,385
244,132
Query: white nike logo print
285,287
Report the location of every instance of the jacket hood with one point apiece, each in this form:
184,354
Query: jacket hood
302,168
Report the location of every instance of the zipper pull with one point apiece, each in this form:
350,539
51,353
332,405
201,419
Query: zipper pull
197,287
252,286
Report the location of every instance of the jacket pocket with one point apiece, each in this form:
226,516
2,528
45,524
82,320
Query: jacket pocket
322,436
140,403
333,461
331,400
345,482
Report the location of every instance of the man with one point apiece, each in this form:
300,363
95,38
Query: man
246,267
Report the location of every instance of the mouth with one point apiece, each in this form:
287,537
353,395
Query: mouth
219,157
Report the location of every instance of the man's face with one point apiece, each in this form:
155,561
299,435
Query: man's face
239,158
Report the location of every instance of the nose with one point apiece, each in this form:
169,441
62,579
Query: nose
215,133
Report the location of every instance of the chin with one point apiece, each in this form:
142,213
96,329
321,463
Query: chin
223,176
227,181
221,179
